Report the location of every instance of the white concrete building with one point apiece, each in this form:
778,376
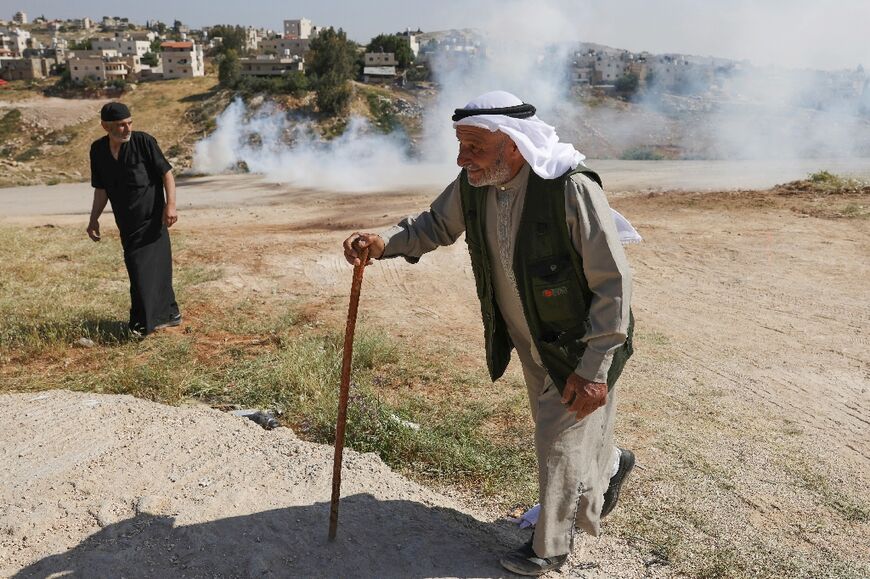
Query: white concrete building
252,38
182,60
14,40
20,18
268,65
301,28
104,68
412,39
285,46
126,46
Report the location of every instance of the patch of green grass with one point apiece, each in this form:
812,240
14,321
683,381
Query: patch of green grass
641,153
854,210
824,177
829,183
654,338
28,155
382,111
301,378
852,508
10,124
57,286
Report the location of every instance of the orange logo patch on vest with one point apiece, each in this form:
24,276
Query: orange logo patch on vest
556,291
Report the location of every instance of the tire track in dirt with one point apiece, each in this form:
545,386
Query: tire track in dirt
759,317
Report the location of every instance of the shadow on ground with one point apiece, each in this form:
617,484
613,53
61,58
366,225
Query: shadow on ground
100,330
375,539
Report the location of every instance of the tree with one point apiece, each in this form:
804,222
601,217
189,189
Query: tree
229,69
395,44
332,65
232,38
332,52
150,59
627,84
84,44
332,95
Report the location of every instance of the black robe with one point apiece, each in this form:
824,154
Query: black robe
134,184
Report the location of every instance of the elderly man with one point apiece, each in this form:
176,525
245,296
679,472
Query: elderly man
129,169
554,284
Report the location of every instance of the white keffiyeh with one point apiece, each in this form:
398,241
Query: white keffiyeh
538,143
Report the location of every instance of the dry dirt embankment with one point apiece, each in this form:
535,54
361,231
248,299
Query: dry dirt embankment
113,486
46,140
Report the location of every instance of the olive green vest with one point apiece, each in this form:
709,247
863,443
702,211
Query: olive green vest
550,281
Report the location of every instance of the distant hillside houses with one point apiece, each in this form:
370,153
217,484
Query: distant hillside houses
450,48
122,49
597,66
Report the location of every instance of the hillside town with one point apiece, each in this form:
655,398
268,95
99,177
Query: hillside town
115,50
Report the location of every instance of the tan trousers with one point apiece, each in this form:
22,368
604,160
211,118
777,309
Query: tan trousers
574,463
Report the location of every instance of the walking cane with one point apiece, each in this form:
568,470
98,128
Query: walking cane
345,388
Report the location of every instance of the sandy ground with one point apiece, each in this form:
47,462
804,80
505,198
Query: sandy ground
54,113
763,305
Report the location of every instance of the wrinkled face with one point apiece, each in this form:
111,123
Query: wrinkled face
483,154
119,131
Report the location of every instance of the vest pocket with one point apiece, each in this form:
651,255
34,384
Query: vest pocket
556,294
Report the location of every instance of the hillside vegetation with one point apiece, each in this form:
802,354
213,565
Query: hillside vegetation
46,140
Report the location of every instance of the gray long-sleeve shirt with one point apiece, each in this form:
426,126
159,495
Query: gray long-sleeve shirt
593,234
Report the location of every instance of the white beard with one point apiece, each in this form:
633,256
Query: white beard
498,174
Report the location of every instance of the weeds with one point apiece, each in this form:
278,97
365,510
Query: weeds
641,153
383,113
828,183
58,287
9,124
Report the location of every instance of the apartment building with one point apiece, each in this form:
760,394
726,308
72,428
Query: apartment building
182,60
125,46
268,65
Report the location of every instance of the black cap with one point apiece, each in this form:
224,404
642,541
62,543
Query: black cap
114,112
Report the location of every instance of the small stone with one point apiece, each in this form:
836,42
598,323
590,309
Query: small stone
151,505
85,343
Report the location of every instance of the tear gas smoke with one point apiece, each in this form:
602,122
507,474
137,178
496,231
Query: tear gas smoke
729,112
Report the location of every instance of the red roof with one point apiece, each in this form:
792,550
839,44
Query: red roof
176,45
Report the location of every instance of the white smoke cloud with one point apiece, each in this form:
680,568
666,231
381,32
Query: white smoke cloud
521,57
528,49
288,150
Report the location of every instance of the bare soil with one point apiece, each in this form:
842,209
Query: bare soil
752,371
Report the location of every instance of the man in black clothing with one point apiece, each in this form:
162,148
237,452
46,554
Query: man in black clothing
129,169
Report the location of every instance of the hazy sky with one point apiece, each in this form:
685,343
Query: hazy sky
796,33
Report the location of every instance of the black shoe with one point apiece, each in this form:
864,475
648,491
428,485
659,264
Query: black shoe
626,463
175,320
524,561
